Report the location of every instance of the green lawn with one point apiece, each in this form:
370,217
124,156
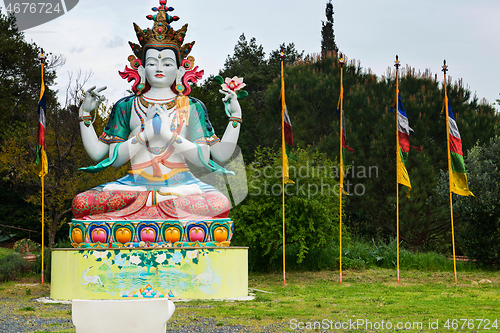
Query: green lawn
365,296
366,300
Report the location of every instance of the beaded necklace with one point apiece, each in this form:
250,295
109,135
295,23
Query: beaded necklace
136,109
146,102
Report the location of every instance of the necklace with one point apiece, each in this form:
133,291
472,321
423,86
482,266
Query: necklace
169,104
158,99
136,109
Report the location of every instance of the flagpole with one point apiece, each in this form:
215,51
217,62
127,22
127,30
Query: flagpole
43,215
397,64
283,154
42,175
445,69
341,63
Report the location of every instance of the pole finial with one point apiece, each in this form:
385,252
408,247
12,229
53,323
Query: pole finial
282,55
445,67
341,60
397,62
41,56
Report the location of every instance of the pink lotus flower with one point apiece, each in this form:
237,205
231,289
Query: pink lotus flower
234,84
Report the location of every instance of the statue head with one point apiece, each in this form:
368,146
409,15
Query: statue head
161,37
160,67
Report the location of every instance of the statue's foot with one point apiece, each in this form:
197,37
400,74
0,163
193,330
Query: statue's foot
166,193
95,202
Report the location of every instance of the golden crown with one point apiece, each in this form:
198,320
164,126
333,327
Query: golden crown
162,34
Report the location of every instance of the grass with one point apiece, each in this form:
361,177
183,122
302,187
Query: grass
316,298
5,252
365,255
371,295
18,304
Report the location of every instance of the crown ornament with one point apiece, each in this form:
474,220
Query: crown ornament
162,34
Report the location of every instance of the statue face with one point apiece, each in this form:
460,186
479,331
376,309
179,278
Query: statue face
160,68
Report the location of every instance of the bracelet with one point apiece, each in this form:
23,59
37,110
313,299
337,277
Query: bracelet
85,119
173,139
235,121
137,138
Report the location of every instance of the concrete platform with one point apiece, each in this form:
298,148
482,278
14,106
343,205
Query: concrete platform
171,273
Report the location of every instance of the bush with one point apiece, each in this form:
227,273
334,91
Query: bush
5,252
13,266
363,255
26,246
311,216
479,230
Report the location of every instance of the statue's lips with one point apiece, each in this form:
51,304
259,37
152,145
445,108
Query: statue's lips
160,75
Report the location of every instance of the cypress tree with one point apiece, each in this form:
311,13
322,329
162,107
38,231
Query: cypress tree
327,35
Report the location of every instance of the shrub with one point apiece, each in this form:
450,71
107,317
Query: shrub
26,246
13,266
5,252
365,255
311,208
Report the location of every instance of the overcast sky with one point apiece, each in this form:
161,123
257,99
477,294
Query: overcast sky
94,35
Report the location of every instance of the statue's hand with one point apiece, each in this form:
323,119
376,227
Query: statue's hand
231,100
165,132
149,132
92,100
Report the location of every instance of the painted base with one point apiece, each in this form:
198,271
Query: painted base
187,273
150,233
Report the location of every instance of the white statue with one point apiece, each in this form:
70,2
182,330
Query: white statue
157,130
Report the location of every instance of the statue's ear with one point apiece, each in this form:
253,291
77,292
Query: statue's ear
181,72
142,73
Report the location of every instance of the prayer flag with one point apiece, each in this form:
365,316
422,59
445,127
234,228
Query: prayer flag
458,176
404,145
41,155
344,145
288,145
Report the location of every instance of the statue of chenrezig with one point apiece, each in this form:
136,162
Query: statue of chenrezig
157,129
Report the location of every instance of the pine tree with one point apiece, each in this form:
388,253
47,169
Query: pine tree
312,93
328,37
258,71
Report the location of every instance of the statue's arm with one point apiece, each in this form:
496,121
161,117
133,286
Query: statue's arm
127,149
224,149
96,149
188,149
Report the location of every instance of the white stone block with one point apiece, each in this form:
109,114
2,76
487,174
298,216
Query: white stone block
122,316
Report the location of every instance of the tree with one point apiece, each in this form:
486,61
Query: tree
327,34
65,154
20,81
248,61
479,229
312,207
312,94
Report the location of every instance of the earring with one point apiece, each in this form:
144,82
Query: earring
179,86
142,84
